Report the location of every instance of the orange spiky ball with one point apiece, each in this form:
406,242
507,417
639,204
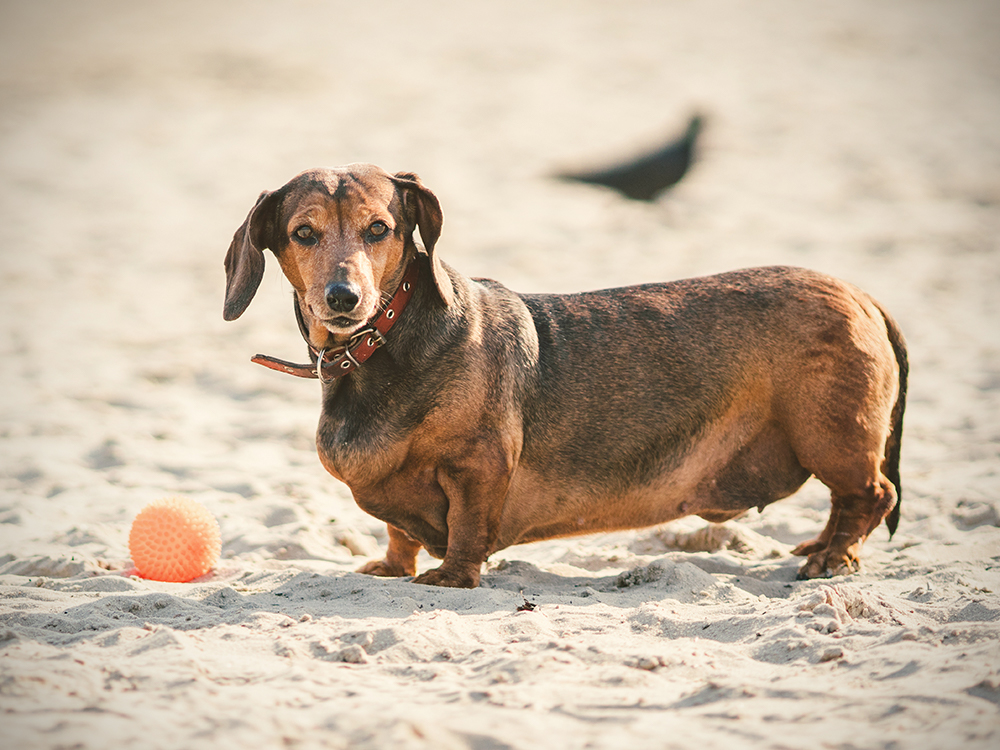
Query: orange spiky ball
174,539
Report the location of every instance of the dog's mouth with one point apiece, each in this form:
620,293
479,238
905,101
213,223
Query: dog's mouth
341,324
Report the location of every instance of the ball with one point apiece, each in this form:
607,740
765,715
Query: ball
174,539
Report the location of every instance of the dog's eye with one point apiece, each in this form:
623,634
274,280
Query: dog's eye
378,229
304,235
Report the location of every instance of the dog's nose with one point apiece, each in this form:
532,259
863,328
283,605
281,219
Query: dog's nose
342,296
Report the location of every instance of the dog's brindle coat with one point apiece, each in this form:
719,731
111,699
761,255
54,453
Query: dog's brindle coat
491,418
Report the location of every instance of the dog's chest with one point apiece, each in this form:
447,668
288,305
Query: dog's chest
358,450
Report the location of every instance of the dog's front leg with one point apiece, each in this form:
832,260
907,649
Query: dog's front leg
400,558
475,492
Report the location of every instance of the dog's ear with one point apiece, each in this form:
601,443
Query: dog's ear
245,258
422,209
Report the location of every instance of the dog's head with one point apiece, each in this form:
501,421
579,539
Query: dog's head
343,238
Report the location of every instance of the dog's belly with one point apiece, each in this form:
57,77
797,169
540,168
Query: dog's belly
538,508
744,460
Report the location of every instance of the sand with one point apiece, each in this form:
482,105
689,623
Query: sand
861,139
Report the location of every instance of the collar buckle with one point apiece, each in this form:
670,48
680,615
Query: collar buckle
375,338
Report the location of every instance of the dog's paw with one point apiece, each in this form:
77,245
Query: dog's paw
384,568
809,548
449,578
825,564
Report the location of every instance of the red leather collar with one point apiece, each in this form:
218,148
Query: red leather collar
336,363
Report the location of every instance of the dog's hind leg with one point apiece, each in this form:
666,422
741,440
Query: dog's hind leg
852,518
841,404
841,439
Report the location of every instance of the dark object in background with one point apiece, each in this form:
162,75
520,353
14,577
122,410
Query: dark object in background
646,177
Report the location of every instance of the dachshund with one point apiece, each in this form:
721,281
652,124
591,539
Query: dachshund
470,418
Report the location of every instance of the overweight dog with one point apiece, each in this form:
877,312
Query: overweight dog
470,418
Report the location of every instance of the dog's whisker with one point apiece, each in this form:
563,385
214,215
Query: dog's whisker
384,300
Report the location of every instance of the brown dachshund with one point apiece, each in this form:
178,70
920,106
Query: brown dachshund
470,418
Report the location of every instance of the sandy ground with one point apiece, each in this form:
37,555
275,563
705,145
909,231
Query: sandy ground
857,138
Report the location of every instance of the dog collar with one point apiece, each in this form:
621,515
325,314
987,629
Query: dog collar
331,364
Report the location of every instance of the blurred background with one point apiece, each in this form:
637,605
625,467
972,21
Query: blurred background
858,138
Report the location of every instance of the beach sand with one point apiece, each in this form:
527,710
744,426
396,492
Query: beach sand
860,139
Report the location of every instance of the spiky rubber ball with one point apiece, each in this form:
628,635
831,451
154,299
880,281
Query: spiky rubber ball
174,539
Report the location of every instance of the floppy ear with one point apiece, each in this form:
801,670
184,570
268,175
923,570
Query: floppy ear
421,207
245,258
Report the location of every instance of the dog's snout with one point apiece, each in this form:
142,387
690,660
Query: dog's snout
342,296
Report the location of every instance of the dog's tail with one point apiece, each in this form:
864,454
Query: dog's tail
890,465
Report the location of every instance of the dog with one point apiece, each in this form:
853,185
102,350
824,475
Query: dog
470,418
